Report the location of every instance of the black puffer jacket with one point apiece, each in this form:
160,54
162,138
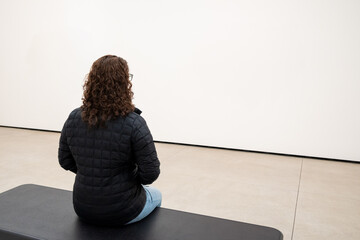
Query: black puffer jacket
110,164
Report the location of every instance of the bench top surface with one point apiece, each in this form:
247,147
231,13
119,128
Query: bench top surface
37,212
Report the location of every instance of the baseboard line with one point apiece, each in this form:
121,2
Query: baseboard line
262,152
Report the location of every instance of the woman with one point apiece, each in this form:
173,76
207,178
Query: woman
109,147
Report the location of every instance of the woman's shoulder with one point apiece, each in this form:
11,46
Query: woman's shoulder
132,116
75,113
73,118
135,117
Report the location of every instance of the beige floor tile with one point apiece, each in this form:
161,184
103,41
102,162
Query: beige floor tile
166,151
330,217
28,156
62,180
277,172
8,131
331,178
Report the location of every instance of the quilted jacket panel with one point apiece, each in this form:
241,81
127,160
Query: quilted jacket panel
111,164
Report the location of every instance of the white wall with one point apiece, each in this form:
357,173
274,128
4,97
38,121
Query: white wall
279,76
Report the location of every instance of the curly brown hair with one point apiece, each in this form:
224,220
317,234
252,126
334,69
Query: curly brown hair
107,91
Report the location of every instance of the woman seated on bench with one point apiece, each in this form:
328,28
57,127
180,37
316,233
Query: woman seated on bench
109,147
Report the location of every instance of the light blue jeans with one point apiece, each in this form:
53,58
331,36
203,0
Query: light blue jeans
153,200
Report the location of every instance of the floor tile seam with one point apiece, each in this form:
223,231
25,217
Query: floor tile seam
297,200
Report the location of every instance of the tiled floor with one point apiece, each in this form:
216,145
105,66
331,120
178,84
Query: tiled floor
303,198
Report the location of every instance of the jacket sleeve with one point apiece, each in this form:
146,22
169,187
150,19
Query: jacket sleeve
65,157
145,156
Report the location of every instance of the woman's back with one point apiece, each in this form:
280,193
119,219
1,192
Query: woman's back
110,163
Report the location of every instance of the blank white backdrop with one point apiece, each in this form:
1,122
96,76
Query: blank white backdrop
278,76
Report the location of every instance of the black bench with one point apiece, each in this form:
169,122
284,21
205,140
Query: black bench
36,212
